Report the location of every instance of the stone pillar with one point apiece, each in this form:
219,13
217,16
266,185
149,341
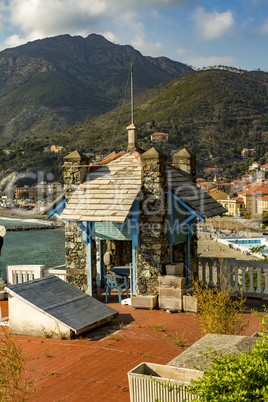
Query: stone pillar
154,251
76,252
74,172
185,161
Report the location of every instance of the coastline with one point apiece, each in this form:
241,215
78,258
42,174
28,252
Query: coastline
17,213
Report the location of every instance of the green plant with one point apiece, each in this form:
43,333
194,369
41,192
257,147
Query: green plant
220,312
53,373
263,321
159,327
178,340
112,337
119,325
256,249
14,386
233,378
56,333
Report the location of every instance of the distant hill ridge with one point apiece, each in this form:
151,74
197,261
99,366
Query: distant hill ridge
55,82
211,112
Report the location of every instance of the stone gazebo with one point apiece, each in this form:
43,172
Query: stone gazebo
133,207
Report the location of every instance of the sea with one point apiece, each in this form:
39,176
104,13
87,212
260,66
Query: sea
31,247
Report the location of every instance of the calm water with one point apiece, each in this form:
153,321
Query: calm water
41,247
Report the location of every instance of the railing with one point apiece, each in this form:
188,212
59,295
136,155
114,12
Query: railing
249,276
24,273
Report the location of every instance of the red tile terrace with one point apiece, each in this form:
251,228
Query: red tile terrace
95,368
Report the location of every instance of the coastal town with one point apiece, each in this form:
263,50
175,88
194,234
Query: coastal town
133,201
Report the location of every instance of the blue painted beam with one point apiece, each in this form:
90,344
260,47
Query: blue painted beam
188,207
171,220
57,209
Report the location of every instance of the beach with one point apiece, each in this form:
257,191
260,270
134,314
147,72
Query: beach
17,213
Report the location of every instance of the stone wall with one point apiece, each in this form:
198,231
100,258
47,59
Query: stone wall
76,251
153,252
75,257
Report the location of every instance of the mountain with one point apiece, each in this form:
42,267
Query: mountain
217,111
213,113
55,82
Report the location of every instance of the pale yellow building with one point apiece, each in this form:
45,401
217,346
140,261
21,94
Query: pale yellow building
262,204
235,206
252,195
218,194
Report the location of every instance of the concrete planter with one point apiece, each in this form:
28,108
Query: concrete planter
147,379
146,302
175,269
189,304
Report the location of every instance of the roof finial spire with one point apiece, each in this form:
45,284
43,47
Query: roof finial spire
132,98
132,130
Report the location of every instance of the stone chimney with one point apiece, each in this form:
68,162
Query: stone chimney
132,138
74,171
76,252
185,161
154,250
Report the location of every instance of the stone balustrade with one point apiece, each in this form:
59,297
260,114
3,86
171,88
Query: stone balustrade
229,273
24,273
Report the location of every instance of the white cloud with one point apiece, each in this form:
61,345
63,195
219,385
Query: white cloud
209,26
200,62
146,48
264,28
184,51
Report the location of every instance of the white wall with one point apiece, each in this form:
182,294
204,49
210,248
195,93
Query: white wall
25,319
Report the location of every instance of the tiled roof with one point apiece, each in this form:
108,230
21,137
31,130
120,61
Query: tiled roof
238,199
192,194
261,189
263,198
159,134
110,191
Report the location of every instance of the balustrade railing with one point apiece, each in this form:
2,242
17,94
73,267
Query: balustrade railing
24,273
247,275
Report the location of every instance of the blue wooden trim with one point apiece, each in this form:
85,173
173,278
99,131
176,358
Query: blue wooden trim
171,216
188,278
57,209
190,217
82,225
188,207
101,263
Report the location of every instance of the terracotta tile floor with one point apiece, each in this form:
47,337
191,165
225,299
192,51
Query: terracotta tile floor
95,368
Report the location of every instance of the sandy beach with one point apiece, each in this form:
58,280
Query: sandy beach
21,214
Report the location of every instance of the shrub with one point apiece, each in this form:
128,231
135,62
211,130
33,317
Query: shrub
219,312
13,384
233,378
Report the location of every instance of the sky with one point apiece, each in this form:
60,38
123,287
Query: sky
198,33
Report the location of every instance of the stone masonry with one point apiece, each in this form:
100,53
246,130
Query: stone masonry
76,251
153,251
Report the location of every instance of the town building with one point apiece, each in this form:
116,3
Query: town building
262,204
246,152
56,148
159,137
254,166
218,194
235,206
252,195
